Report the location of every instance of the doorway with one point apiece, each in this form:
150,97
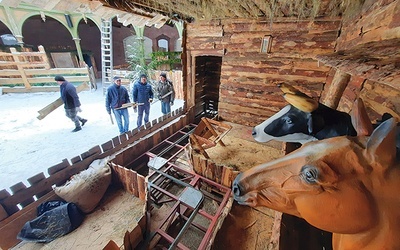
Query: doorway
207,82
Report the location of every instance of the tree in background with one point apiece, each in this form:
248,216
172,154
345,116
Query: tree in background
136,60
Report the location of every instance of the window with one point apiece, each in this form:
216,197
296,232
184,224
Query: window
162,45
266,44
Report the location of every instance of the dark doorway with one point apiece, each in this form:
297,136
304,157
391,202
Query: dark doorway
208,74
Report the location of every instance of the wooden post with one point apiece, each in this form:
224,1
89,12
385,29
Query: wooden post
336,89
20,68
44,57
142,186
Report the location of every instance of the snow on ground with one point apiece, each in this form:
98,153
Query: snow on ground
29,146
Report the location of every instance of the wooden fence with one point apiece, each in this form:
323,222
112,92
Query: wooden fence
26,71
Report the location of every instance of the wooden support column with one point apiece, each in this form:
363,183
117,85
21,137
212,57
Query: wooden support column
335,90
179,26
77,41
12,23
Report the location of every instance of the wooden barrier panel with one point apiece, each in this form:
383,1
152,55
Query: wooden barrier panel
21,71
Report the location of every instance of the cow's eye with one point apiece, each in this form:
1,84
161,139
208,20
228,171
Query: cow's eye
309,174
288,120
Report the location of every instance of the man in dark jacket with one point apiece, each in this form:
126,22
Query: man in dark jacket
142,95
72,105
115,97
166,93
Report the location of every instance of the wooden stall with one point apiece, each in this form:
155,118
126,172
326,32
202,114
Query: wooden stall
234,55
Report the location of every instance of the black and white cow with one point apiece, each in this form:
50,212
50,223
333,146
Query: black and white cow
291,124
305,119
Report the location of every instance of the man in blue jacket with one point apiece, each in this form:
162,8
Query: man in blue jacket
72,105
115,97
142,95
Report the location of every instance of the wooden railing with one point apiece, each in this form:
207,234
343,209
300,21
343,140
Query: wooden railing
26,71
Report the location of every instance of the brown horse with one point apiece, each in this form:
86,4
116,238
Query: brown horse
346,185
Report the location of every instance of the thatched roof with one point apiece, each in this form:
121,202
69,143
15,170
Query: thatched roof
157,12
221,9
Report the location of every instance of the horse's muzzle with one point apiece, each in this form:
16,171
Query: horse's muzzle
236,188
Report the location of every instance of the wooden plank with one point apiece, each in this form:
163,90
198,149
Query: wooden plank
31,90
20,69
47,79
135,237
37,178
3,213
57,71
18,189
57,103
197,146
227,177
9,72
142,187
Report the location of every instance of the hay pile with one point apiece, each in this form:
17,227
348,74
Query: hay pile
241,154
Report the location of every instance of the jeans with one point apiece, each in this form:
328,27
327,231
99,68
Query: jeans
165,107
146,109
123,128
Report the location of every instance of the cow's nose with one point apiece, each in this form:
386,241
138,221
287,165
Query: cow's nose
254,132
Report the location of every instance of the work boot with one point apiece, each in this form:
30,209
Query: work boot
76,129
83,121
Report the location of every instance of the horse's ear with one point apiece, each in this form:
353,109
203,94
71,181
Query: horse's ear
381,146
359,118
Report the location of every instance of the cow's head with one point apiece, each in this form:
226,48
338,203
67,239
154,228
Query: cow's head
293,123
290,124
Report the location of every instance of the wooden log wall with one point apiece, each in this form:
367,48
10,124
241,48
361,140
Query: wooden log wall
248,92
368,52
20,206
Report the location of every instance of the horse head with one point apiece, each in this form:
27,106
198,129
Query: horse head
345,185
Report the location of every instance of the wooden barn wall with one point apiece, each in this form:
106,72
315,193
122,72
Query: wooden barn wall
368,50
248,91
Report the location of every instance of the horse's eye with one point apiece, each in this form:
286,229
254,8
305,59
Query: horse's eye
309,174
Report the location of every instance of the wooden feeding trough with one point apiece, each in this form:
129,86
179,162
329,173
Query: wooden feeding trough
220,150
207,134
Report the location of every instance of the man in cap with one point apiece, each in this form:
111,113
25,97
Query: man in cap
142,95
166,93
115,97
72,105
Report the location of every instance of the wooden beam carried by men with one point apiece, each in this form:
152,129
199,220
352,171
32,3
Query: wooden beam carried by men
57,103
